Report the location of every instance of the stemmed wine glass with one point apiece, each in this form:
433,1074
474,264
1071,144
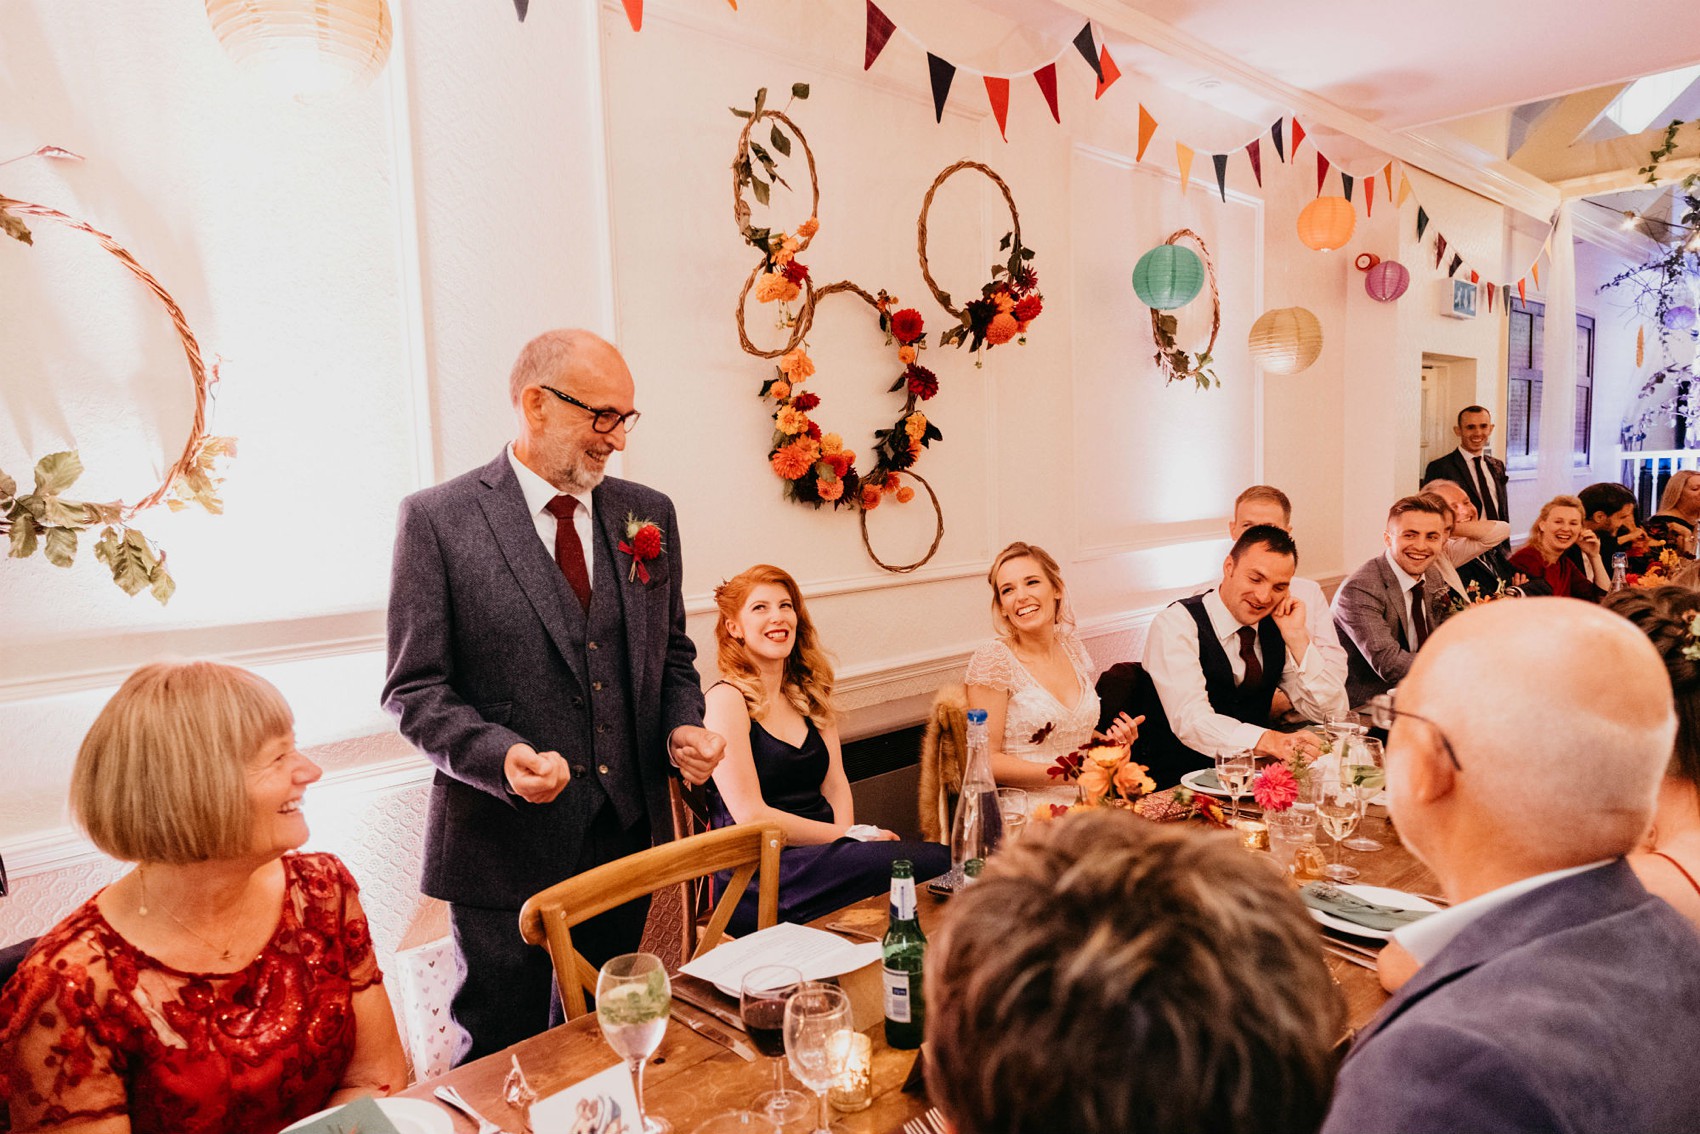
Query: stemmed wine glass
1338,808
633,1000
761,1003
1234,771
817,1024
1361,765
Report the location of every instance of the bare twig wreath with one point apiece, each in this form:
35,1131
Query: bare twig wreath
779,273
44,515
1009,302
1175,363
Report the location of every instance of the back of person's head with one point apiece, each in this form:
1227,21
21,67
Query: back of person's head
1607,497
1667,615
808,677
1109,975
1673,489
1559,715
1276,540
162,775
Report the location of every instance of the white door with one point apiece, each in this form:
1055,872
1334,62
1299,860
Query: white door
1437,427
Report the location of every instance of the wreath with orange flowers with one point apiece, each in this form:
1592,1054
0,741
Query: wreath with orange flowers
1009,301
814,465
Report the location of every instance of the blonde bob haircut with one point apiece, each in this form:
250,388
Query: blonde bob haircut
1537,535
162,776
1047,567
808,679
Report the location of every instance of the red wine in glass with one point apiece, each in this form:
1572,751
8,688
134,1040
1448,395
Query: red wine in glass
764,1020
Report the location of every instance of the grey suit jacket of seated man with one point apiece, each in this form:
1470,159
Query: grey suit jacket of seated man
1574,1007
1369,613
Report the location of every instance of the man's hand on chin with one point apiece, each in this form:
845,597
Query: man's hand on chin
696,752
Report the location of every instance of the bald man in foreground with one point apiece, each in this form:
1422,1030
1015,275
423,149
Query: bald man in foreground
1555,994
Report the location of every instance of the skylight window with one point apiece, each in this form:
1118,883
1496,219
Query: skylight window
1646,99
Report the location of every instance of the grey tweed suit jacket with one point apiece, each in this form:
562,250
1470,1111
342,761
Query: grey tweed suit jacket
1369,613
482,656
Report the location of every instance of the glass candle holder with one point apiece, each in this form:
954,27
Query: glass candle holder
854,1088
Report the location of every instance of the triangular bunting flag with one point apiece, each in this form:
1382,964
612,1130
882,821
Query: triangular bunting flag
1107,70
522,6
1147,127
1221,163
1298,136
1275,133
1535,270
1183,158
1490,289
1439,248
880,28
1522,295
1088,48
1046,77
1457,262
1252,151
1387,179
1321,167
997,93
1475,277
634,13
1422,221
1369,195
1346,183
1404,191
941,72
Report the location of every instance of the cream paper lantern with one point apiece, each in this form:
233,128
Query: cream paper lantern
305,47
1285,340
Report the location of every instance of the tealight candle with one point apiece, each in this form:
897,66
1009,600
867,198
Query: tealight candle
1254,834
854,1088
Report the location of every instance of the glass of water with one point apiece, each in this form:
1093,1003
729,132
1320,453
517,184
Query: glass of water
1234,771
633,1000
817,1029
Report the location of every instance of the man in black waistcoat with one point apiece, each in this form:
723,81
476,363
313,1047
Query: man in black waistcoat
1217,659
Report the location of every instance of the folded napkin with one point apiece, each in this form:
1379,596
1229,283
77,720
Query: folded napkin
1206,778
1338,903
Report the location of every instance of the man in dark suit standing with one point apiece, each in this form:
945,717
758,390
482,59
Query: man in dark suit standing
1555,993
1481,475
538,657
1386,609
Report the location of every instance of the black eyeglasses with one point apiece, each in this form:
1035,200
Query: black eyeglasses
605,419
1382,714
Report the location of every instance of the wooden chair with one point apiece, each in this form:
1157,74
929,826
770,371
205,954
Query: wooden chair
944,750
694,897
547,919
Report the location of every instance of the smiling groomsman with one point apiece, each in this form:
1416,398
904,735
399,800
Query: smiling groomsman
1387,608
1481,475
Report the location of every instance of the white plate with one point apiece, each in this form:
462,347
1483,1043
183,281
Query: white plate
1380,895
1190,780
410,1116
816,953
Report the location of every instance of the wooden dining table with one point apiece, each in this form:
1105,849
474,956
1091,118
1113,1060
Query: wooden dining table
690,1078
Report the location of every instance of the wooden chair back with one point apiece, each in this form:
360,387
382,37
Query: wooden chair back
548,917
944,750
694,897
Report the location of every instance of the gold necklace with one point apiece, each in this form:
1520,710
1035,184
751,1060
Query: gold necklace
142,909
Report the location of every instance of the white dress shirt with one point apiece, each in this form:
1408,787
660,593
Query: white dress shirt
1319,623
1172,660
1406,584
1426,938
538,493
1481,474
1473,537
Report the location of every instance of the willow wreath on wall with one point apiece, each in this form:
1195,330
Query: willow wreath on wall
45,519
1177,363
1009,301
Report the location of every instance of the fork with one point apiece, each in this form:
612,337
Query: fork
451,1097
931,1122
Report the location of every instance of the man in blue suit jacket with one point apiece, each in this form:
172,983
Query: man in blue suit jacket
546,673
1555,994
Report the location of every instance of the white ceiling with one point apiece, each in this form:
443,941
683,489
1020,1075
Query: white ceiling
1403,66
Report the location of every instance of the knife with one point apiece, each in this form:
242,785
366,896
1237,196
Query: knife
705,998
714,1035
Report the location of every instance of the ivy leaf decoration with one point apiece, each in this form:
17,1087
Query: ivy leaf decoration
779,140
8,490
56,472
12,225
799,90
761,189
134,564
61,546
23,534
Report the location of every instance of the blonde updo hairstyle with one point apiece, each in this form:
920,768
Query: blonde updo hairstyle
1047,566
808,679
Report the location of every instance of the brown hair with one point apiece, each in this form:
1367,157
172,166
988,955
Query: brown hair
1268,494
162,775
1112,975
807,684
1423,502
1666,616
1047,565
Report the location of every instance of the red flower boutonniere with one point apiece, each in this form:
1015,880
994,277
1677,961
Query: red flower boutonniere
642,543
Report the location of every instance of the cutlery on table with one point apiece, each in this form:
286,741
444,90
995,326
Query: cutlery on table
451,1097
930,1123
852,932
517,1093
714,1035
1350,946
1350,958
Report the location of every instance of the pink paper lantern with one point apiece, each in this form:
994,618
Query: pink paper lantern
1387,281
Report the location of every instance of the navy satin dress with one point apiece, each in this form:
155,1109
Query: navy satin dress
815,880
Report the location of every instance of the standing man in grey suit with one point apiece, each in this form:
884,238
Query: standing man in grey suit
546,673
1386,609
1470,465
1555,993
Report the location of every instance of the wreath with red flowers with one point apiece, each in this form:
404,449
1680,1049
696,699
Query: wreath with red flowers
1009,301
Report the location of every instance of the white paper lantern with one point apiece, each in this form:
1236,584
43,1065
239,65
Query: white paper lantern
1285,340
305,47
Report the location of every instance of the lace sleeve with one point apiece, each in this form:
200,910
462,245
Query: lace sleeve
993,667
358,958
57,1065
1077,653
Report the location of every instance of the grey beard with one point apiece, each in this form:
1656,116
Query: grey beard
575,479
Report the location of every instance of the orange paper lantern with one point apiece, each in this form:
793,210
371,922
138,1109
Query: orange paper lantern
1327,223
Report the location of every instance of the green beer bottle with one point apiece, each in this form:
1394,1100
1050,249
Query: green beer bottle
902,952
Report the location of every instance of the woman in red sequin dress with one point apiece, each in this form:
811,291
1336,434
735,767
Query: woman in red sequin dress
225,984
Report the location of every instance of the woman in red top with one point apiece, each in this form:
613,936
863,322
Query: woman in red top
224,984
1563,552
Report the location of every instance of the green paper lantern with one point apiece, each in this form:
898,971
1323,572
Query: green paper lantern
1168,277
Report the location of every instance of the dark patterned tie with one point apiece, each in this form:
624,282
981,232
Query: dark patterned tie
1490,501
1248,654
1419,615
569,552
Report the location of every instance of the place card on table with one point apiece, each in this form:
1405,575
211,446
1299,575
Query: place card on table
362,1116
605,1103
815,953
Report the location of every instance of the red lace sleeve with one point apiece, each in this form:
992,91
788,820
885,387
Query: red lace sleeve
58,1063
362,961
335,915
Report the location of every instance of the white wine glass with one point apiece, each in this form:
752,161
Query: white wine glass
633,1000
1234,771
761,1004
1361,763
1338,810
817,1024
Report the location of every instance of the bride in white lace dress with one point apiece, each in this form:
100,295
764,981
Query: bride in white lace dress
1035,679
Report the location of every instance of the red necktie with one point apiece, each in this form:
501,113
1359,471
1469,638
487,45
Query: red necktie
569,552
1248,654
1419,615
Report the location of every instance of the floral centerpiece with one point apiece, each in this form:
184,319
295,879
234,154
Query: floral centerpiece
1108,776
1660,571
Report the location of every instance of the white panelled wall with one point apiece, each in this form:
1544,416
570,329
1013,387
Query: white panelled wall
368,267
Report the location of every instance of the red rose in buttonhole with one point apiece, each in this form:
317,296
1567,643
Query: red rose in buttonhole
647,543
907,326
